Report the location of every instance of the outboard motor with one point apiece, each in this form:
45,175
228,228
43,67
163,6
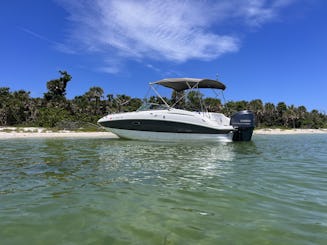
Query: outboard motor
244,123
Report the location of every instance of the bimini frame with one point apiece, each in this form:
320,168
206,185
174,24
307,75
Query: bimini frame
181,84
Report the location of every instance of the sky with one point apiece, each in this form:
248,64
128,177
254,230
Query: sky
273,50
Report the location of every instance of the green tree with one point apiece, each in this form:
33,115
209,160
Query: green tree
121,101
232,107
133,104
257,107
18,108
318,119
292,115
94,95
269,114
302,111
282,119
4,100
155,100
15,107
21,107
178,99
51,116
194,99
57,88
213,104
80,105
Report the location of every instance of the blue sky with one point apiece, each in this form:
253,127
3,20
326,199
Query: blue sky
273,50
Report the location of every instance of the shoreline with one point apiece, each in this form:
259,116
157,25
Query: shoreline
37,132
278,131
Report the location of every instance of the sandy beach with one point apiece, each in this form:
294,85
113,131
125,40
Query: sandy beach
35,132
289,131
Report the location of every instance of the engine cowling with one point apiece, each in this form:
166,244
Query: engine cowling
244,123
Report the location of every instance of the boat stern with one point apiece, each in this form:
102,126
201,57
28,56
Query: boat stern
243,123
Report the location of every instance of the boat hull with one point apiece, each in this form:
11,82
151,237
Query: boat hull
164,126
167,125
171,137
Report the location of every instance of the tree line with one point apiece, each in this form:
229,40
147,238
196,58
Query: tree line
18,108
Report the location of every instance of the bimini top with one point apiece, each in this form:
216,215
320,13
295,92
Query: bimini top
180,84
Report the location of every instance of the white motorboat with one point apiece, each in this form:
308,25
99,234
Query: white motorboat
164,122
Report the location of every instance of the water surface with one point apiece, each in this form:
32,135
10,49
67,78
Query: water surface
272,190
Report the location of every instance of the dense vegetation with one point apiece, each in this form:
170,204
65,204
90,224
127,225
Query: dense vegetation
18,108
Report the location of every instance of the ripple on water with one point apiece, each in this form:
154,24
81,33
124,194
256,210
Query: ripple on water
81,191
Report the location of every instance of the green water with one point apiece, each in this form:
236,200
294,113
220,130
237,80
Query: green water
96,191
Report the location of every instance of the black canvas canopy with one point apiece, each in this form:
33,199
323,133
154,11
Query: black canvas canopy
180,84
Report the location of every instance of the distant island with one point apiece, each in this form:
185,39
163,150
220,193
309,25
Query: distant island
54,110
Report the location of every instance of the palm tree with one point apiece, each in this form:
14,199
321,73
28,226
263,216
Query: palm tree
121,100
4,99
269,112
302,111
194,99
213,104
292,114
282,117
257,107
178,99
95,94
234,106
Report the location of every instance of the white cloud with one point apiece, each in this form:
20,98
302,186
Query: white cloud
109,69
153,67
111,66
172,30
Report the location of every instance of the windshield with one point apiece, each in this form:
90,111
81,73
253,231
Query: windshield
152,106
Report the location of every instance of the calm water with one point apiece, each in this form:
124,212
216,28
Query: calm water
96,191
